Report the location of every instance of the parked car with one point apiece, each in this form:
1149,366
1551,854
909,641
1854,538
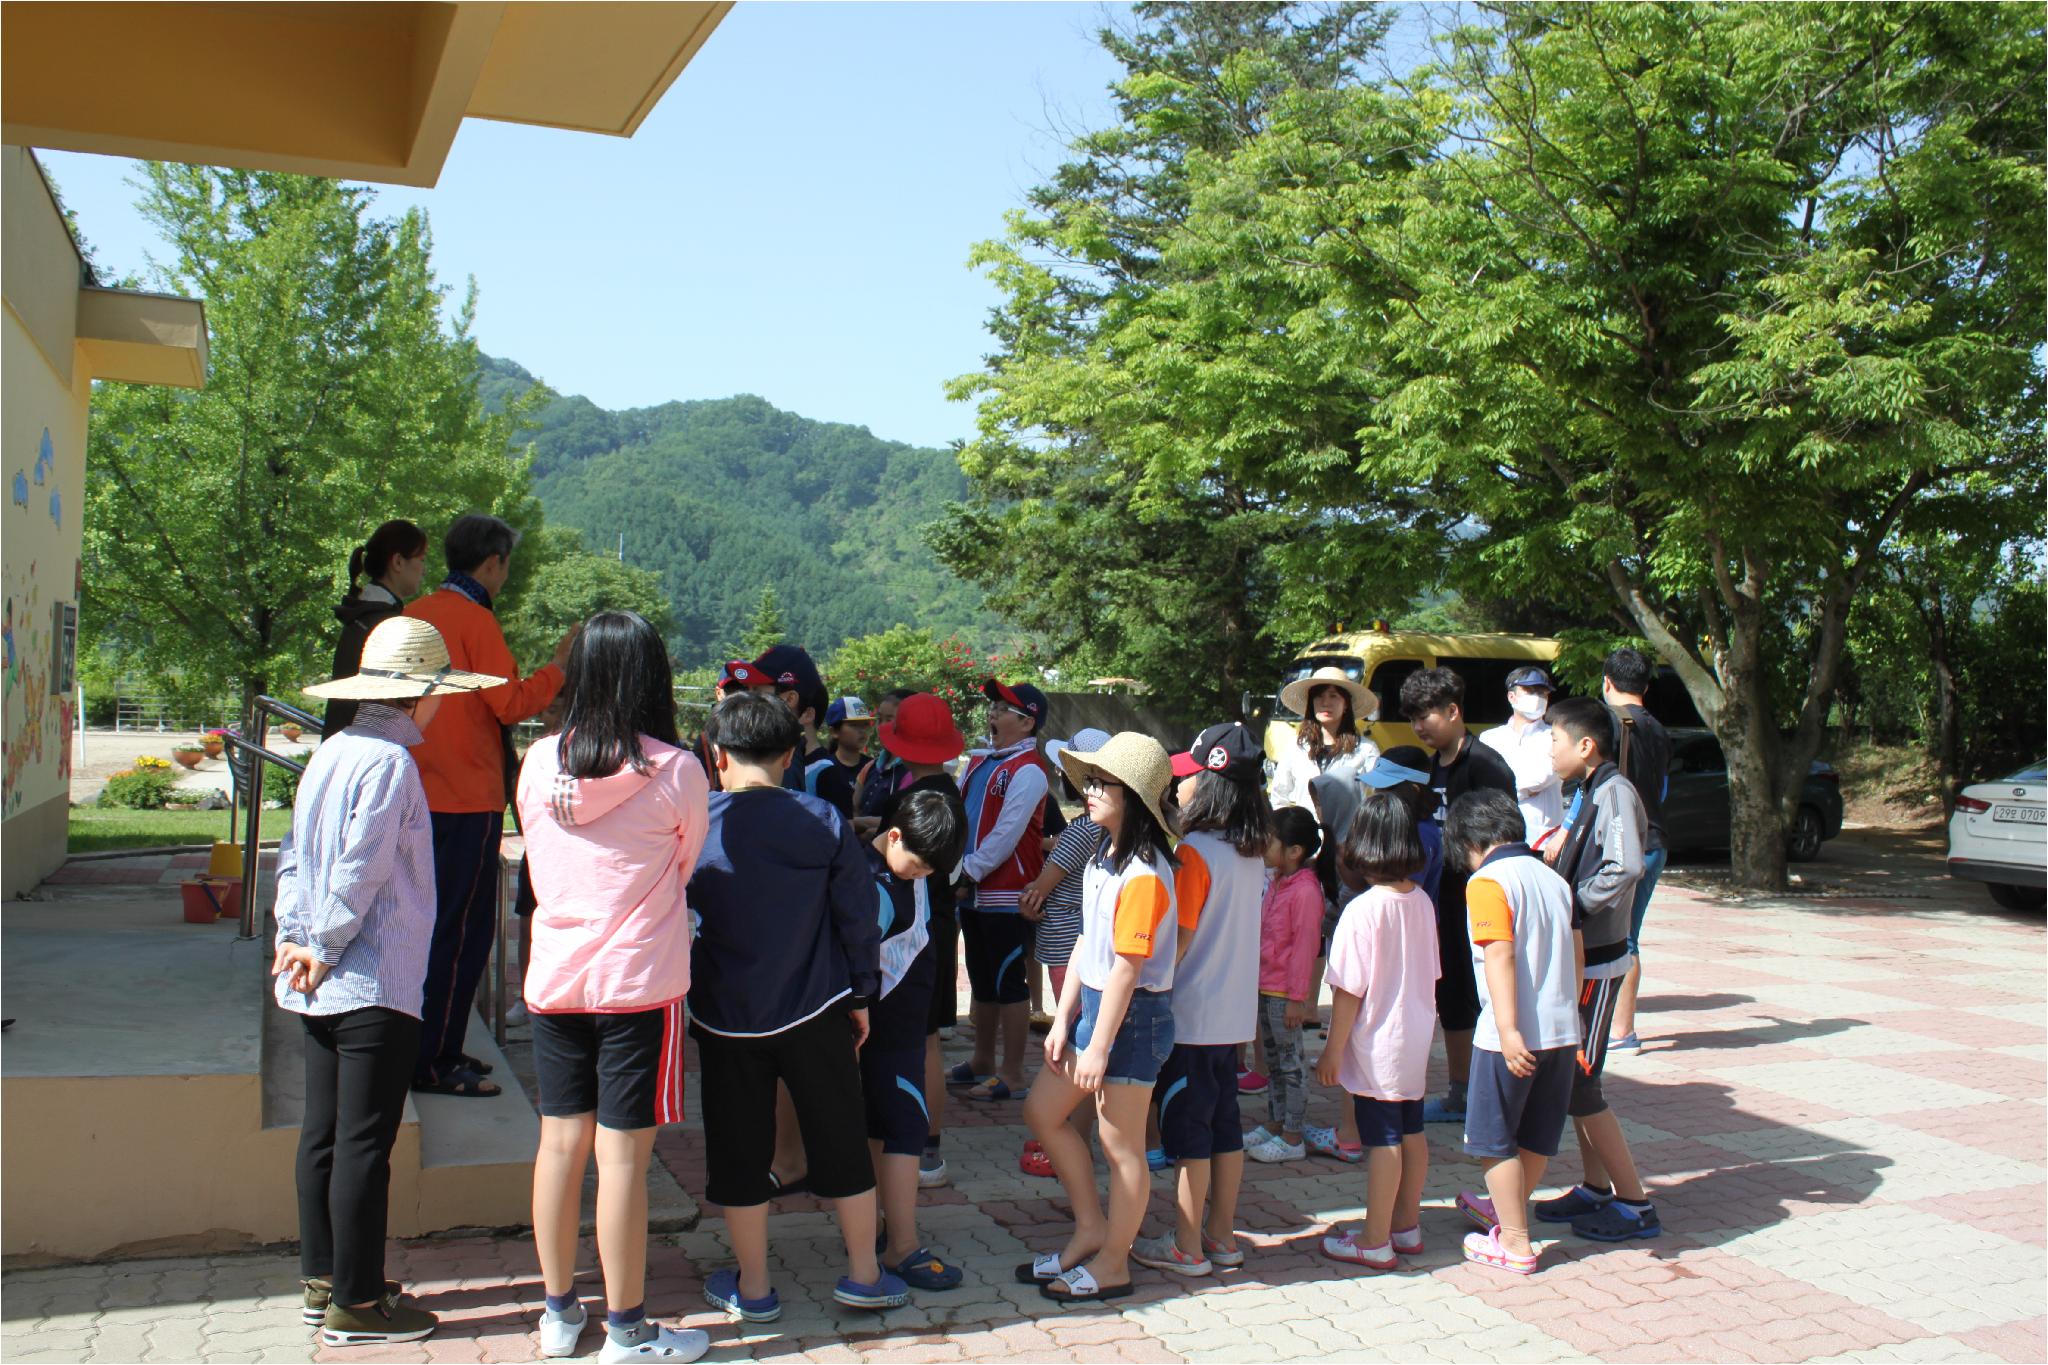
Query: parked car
1696,801
1999,836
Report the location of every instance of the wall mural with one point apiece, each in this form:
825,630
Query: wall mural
36,724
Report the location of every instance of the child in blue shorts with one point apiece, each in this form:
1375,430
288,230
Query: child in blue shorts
1526,1041
924,830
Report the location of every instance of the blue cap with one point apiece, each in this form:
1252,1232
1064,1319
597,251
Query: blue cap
1530,677
1382,775
846,709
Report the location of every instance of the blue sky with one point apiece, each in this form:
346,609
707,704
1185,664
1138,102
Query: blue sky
793,220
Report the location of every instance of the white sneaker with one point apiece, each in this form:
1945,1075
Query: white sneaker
931,1171
667,1343
1275,1149
1257,1136
516,1015
559,1331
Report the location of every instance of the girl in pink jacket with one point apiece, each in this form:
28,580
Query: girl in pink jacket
614,813
1290,936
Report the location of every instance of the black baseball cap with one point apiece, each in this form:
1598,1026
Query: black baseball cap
1023,696
1227,749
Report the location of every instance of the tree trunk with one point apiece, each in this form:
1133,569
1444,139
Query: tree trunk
1756,822
1948,726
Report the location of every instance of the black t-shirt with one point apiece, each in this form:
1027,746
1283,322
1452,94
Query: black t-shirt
896,1022
1643,752
830,780
1476,768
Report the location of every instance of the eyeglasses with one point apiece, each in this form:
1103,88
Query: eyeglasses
1099,786
1021,715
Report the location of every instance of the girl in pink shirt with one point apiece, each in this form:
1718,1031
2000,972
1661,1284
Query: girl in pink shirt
1290,936
1382,974
614,810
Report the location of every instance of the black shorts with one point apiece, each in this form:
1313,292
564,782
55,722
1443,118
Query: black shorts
998,944
1506,1113
1197,1091
945,1008
1457,990
626,1067
892,1087
816,1061
1383,1123
1596,1023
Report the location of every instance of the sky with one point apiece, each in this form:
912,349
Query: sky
793,219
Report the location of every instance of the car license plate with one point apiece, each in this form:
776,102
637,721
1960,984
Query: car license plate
2019,815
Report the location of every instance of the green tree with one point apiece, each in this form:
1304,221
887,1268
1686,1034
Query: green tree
1093,524
950,668
767,629
1678,311
218,522
568,583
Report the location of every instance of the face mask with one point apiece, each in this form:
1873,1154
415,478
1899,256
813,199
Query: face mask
1529,706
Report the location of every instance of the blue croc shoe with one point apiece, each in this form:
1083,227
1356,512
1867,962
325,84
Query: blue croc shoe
1575,1202
1442,1111
888,1291
922,1269
722,1291
1618,1223
1155,1160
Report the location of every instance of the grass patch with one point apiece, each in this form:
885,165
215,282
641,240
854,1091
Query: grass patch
100,829
1885,784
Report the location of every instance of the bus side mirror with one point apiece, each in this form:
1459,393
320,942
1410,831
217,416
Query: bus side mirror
1250,707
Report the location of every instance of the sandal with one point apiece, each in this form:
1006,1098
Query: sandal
1478,1208
1080,1286
461,1082
481,1068
963,1075
1033,1160
991,1089
922,1269
1484,1248
1040,1268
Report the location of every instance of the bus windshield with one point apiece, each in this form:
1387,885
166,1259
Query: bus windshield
1353,666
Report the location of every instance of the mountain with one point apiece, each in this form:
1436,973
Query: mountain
723,497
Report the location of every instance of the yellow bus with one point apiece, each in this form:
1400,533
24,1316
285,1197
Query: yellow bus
1382,659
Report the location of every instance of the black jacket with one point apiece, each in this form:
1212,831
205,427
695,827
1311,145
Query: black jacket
358,616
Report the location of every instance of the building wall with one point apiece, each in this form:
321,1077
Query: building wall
44,394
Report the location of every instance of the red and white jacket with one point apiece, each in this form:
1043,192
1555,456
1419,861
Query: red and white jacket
1005,795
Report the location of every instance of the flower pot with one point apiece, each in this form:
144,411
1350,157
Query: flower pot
188,758
291,732
213,746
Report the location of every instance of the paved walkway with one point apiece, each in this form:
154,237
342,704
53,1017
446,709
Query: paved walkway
1840,1107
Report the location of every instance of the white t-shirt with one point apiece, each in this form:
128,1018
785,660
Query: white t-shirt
1129,913
1295,770
1217,894
1520,899
1536,783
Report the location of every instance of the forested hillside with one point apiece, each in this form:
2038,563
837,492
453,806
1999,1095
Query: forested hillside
723,497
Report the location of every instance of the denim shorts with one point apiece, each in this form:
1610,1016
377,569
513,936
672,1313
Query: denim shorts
1653,868
1142,1044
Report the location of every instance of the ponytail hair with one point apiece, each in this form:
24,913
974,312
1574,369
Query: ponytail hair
396,539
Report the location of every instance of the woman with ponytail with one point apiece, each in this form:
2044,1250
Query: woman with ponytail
394,563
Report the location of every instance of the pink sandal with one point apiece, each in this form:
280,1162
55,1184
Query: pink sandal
1484,1248
1033,1160
1478,1208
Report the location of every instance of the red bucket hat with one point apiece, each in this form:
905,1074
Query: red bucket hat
923,731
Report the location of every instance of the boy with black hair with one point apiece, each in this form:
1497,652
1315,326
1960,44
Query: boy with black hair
1433,700
785,966
921,839
1601,856
831,773
789,673
1642,749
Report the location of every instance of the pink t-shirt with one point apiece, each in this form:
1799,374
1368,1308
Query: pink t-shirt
1384,950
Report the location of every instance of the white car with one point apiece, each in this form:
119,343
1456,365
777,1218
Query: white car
1999,836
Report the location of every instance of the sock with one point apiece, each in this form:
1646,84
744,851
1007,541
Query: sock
629,1328
1597,1191
561,1305
1636,1207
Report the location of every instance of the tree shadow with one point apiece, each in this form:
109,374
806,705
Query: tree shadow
1780,1031
1672,1004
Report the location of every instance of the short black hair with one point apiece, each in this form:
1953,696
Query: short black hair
1585,718
1296,828
899,695
1383,844
754,727
1431,689
1480,820
474,538
933,825
1630,670
1238,811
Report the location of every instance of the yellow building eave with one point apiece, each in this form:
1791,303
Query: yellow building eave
140,338
360,91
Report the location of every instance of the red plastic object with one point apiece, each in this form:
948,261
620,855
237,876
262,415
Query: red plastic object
208,899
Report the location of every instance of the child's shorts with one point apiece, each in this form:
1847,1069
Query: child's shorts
1198,1102
816,1061
1506,1113
628,1068
1596,1023
1144,1042
945,950
892,1084
998,948
1383,1123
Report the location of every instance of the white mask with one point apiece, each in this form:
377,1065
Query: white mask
1529,705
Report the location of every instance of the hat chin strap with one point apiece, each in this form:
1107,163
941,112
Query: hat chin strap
439,678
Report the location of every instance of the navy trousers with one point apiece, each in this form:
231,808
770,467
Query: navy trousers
465,921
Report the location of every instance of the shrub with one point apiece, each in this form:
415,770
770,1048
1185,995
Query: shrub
282,784
140,787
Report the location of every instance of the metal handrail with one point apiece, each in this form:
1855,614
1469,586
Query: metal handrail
252,744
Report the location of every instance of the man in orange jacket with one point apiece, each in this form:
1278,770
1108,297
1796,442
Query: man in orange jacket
463,765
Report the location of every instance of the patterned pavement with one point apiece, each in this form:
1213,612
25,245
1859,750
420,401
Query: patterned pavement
1840,1108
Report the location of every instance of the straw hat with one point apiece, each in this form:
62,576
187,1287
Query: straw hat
1133,759
403,657
1364,701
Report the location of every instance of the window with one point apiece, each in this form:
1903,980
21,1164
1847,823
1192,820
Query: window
1699,756
1486,686
1386,685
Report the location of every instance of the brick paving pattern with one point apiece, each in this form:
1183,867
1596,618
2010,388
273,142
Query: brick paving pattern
1840,1108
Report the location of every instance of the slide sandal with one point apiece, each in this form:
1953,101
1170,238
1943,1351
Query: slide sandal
461,1082
986,1091
1079,1286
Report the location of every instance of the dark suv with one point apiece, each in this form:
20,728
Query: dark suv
1696,802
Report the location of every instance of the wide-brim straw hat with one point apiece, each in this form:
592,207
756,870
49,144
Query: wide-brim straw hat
1133,759
403,657
1364,701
